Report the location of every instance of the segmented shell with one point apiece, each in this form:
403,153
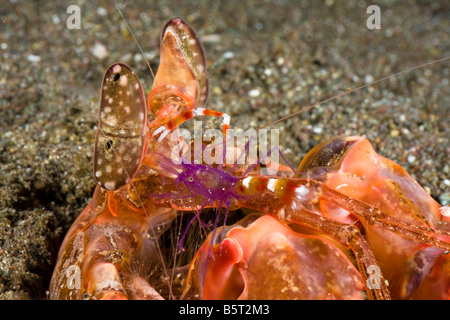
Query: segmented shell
183,61
120,140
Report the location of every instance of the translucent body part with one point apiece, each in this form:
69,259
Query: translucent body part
351,166
96,258
180,87
120,141
183,61
267,260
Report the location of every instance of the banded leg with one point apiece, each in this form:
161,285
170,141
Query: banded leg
175,122
375,217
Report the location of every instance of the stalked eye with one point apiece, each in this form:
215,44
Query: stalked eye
181,50
116,77
109,145
120,140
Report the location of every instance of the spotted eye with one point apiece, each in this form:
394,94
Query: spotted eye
116,77
109,144
120,140
181,50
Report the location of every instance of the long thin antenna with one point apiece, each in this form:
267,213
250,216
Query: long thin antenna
353,90
348,92
135,40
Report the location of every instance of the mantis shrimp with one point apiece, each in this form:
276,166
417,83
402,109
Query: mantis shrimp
345,221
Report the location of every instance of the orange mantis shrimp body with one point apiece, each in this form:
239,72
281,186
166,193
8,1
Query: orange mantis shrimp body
345,221
268,260
405,229
362,174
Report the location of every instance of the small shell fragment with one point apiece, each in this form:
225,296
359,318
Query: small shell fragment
122,121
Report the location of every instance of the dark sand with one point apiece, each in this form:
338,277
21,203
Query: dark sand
265,61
